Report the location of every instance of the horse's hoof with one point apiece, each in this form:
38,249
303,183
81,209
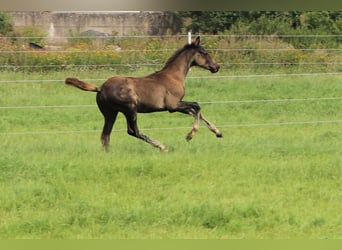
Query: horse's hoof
219,135
164,149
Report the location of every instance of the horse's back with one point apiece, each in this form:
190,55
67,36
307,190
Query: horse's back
144,94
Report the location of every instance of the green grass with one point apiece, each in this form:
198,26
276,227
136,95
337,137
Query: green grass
280,181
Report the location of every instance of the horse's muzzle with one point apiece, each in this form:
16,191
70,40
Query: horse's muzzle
215,68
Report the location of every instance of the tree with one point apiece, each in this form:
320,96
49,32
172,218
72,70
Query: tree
210,21
6,26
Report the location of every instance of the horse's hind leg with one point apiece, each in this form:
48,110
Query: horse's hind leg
132,129
109,115
109,119
211,126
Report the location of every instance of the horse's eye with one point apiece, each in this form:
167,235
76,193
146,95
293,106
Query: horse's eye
203,53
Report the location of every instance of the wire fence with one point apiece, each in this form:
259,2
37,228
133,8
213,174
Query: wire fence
244,52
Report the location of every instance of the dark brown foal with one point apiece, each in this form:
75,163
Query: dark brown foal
160,91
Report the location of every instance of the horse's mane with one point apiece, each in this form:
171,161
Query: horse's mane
176,54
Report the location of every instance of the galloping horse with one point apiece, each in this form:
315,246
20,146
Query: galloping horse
160,91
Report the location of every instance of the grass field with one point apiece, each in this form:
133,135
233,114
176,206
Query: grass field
277,172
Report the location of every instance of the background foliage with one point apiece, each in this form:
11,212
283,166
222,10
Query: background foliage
260,22
266,23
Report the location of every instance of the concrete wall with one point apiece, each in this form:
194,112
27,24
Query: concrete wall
63,24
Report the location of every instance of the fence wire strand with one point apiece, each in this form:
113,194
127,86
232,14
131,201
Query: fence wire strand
227,126
200,102
189,77
179,36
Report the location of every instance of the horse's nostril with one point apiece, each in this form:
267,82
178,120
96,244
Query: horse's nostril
214,69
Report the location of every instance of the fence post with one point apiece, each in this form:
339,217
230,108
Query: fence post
189,41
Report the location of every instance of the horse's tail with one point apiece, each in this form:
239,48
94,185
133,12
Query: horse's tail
82,85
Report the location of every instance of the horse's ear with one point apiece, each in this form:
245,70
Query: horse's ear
197,41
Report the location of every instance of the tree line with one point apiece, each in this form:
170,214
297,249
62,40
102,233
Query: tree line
326,26
263,22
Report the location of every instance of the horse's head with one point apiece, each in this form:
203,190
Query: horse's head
202,58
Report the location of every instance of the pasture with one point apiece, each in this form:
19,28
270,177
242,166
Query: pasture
277,172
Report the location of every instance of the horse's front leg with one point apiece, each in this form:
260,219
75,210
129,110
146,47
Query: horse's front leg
207,123
211,126
195,127
193,109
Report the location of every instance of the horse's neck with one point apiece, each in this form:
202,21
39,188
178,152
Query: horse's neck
179,66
